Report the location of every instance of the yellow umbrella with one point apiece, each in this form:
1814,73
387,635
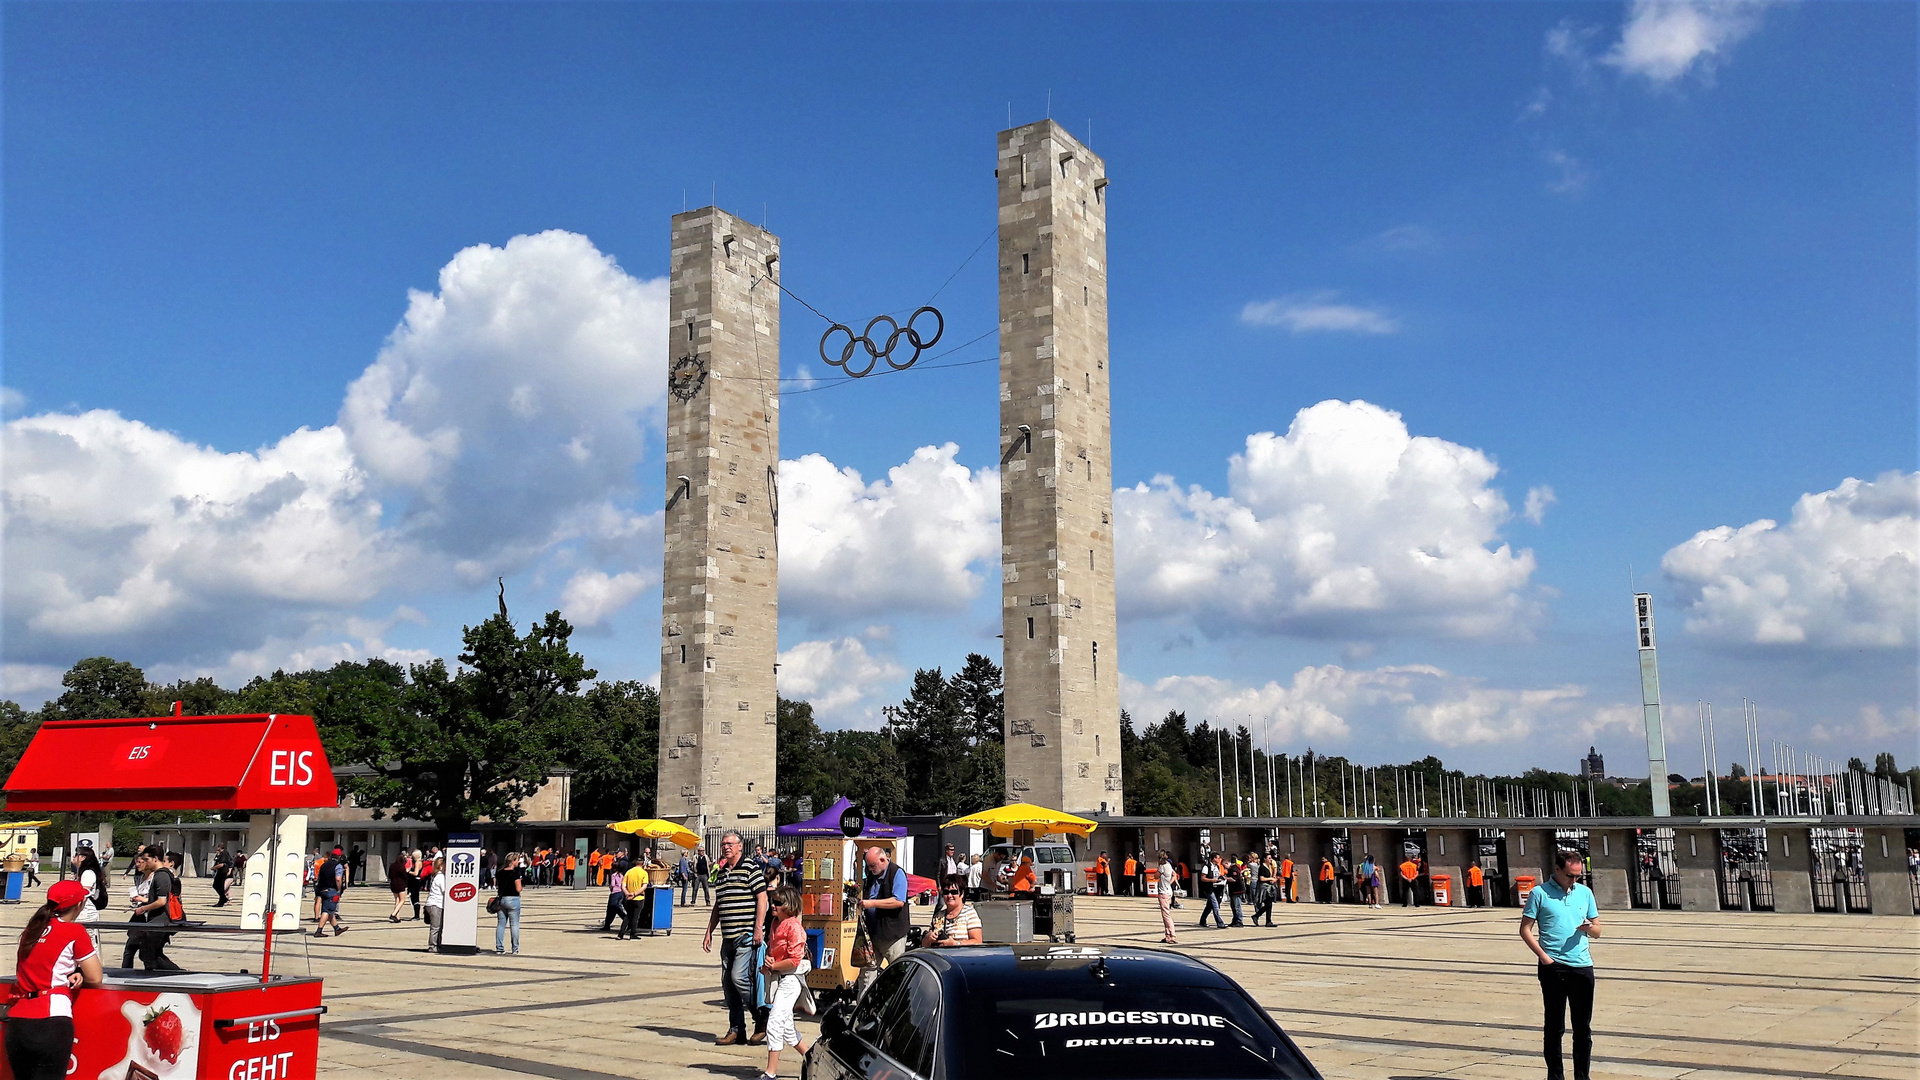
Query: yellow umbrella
1007,820
656,829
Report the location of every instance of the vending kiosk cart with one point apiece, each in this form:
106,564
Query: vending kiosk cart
830,872
178,1025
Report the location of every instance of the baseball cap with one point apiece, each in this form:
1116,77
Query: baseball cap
65,894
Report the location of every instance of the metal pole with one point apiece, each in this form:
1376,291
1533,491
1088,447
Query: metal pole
1220,768
1239,800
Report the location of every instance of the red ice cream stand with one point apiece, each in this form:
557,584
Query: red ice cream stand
179,1025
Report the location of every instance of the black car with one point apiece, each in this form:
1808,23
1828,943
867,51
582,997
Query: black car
1067,1012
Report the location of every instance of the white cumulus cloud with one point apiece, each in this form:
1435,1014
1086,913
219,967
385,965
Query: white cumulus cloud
1842,573
1318,312
839,677
1538,500
1346,527
1665,39
910,542
500,424
1341,706
515,397
591,597
118,532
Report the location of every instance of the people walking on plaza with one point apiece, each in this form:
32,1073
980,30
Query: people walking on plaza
55,957
1129,867
616,885
953,868
1327,882
508,897
436,904
1287,868
1213,883
1363,877
739,908
222,874
1261,887
399,872
87,871
1409,882
152,894
884,914
786,968
1556,924
328,875
1102,876
703,873
1379,887
1163,892
1237,891
357,866
634,885
975,871
1477,886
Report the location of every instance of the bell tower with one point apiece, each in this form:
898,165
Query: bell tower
719,633
1056,481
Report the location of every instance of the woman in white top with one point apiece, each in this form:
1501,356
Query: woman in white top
436,902
87,871
957,924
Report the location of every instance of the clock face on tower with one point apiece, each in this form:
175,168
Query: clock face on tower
689,374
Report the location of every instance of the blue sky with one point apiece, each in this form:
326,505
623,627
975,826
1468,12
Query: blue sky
1658,260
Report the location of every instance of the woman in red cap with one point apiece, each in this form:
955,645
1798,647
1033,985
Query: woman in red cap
56,958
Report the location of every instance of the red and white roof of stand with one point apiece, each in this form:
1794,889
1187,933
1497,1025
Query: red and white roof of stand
258,762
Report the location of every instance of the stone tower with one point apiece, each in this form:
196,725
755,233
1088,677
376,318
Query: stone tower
1056,480
720,584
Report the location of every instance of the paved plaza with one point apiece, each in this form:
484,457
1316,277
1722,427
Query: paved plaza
1393,994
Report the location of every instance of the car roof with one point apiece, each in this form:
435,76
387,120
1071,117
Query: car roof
1034,967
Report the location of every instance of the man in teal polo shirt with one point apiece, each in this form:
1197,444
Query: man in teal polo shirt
1559,918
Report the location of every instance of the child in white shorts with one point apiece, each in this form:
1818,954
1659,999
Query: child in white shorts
787,966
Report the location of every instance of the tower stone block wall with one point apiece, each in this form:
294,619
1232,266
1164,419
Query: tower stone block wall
719,635
1056,480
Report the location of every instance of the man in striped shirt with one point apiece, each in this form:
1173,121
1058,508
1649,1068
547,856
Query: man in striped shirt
739,912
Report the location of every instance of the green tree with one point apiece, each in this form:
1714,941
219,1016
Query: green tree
1884,767
799,768
612,742
476,742
100,688
197,697
16,730
867,770
946,735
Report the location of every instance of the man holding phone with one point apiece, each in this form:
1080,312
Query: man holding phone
1559,918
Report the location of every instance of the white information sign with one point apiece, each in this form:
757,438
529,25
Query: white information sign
460,917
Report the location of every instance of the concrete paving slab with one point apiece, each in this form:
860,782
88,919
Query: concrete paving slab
1396,994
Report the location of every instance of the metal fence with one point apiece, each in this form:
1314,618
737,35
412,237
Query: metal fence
1746,878
1839,870
1654,880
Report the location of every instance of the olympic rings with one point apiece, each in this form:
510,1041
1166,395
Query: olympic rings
876,352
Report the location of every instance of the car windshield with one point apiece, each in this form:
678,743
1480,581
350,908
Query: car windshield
1135,1033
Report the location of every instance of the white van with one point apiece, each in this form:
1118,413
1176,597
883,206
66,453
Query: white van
1053,863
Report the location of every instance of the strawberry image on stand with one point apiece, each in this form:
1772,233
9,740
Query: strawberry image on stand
163,1033
163,1039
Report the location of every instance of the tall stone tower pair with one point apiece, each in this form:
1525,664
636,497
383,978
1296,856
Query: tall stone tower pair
720,591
